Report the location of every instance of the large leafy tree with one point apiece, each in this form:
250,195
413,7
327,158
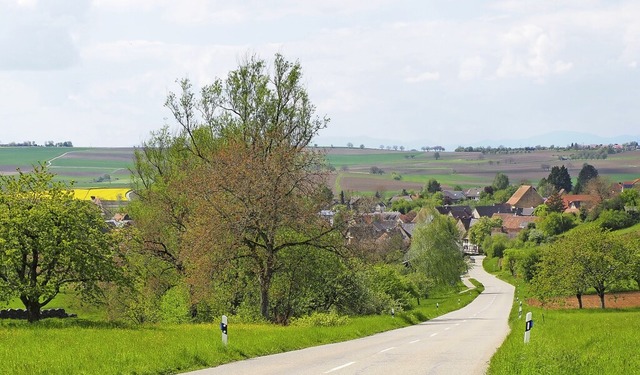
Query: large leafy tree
586,257
432,186
48,240
558,275
587,173
560,179
249,185
555,203
501,181
436,250
482,229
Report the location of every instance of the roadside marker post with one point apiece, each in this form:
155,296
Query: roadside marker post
223,328
527,327
520,311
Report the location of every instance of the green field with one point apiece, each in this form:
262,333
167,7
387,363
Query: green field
25,157
85,166
565,341
352,167
466,169
72,346
572,342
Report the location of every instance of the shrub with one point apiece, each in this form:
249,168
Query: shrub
522,262
174,305
612,219
316,319
556,223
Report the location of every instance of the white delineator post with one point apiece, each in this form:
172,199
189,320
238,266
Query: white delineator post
223,328
527,328
520,311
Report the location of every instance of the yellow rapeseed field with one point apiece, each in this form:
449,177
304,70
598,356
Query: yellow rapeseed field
104,194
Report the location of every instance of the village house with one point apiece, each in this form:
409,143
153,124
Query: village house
513,224
525,197
573,203
473,193
453,196
635,184
488,211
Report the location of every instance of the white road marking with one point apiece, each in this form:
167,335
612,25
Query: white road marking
433,334
448,328
339,367
414,341
387,349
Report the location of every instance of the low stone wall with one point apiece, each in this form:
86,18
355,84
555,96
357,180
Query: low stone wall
22,314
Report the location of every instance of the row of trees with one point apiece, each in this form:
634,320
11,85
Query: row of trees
567,253
35,144
226,221
587,151
589,257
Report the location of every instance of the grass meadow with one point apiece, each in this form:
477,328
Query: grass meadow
24,158
94,346
87,167
568,341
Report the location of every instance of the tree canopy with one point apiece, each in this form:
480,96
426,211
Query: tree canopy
49,240
555,203
238,186
436,250
586,257
587,173
560,179
482,229
432,186
501,181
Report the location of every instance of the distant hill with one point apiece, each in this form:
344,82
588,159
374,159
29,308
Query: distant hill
557,138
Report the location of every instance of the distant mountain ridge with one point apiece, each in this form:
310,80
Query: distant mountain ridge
557,138
560,138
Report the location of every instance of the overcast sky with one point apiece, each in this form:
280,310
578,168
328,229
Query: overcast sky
420,72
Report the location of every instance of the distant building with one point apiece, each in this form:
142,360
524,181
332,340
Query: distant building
453,196
525,197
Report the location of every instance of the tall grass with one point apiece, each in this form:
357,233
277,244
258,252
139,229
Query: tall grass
572,342
65,346
588,341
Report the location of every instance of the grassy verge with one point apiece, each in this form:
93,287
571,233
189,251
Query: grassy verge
589,341
56,346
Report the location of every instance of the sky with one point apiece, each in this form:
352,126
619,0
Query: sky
403,72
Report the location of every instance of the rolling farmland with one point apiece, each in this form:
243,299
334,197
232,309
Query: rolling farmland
88,167
408,170
467,169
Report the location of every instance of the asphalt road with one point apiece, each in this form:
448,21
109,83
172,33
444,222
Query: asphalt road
460,342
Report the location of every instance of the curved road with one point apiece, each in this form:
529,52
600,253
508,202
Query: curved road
460,342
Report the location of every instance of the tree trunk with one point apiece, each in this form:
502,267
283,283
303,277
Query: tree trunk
579,297
265,282
601,295
600,290
33,310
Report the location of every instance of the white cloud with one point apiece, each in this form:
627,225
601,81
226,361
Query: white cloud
423,77
35,37
471,63
471,68
531,51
